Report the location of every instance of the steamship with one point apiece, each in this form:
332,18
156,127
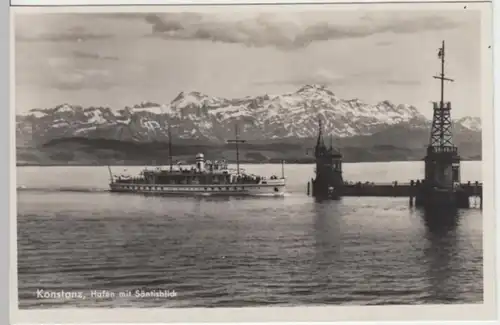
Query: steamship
205,178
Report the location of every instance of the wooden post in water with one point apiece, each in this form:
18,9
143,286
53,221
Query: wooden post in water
412,192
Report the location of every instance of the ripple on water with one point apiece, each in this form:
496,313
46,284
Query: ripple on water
242,252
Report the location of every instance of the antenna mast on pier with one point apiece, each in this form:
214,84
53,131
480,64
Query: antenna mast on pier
441,134
442,162
237,141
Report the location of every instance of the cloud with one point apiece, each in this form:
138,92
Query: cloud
396,82
93,56
271,28
75,34
79,79
384,43
268,30
65,74
327,78
121,15
319,77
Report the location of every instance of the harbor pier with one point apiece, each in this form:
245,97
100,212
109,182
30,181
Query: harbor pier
467,195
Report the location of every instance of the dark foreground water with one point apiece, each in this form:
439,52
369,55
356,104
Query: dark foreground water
75,237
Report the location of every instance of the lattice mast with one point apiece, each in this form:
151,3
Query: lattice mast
442,163
441,132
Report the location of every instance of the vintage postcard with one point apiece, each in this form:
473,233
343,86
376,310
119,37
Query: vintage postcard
237,163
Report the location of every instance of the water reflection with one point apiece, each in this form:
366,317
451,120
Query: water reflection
441,255
327,228
222,198
440,222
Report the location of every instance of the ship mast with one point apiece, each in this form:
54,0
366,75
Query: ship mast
111,179
237,141
169,146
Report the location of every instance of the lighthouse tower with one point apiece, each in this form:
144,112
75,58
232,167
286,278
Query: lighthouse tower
328,182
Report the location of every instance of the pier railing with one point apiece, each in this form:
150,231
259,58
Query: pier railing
396,189
396,183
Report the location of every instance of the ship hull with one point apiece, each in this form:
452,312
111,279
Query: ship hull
276,189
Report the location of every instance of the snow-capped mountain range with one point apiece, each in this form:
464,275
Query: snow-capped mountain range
195,115
470,123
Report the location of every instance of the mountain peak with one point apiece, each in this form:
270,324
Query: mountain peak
314,89
64,108
470,122
311,87
146,104
195,94
192,99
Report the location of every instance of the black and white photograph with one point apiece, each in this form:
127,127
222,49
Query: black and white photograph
236,156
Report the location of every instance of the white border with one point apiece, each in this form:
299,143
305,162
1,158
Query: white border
196,2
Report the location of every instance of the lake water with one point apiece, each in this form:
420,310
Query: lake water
75,236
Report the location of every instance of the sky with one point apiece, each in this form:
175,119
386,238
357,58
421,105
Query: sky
121,59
